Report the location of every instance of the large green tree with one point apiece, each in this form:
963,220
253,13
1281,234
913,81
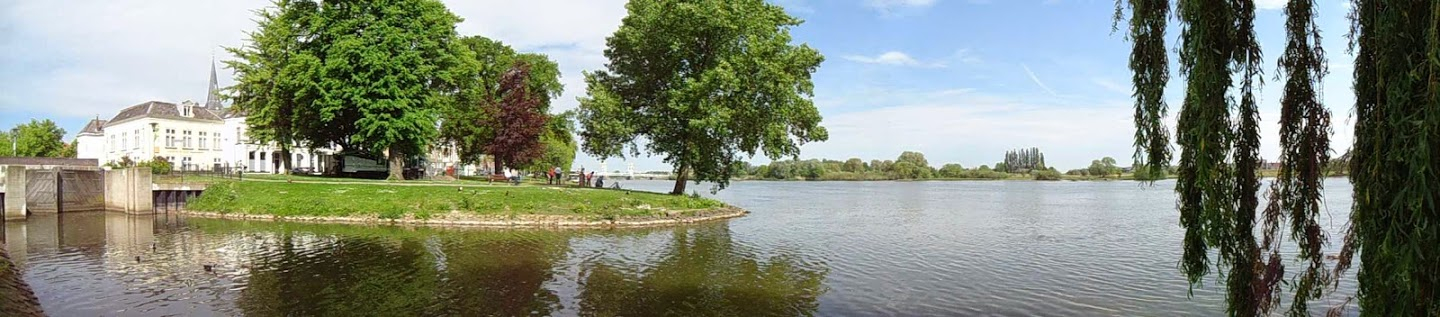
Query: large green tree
275,74
559,143
1395,165
387,68
702,83
37,138
471,123
367,75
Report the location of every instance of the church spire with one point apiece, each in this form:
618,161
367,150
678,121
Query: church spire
212,101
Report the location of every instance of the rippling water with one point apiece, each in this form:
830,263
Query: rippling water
836,248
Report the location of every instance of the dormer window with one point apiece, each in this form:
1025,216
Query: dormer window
187,109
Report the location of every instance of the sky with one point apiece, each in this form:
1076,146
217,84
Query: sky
961,81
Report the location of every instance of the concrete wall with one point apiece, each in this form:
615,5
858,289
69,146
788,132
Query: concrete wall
129,190
14,192
49,162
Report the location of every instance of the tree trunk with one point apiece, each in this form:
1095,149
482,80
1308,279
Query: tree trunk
680,176
397,164
499,167
286,160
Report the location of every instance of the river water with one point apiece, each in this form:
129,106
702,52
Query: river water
1000,248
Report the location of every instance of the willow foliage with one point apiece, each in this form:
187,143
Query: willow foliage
1304,154
1151,65
1218,136
1396,217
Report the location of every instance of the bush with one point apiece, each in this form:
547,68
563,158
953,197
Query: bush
159,166
1046,175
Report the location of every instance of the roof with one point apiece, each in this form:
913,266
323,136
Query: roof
162,110
231,113
96,126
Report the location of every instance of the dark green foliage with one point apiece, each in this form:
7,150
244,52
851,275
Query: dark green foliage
1151,66
367,75
1022,161
703,84
1046,174
1217,175
1305,152
1395,165
559,143
275,72
1103,167
471,122
1217,197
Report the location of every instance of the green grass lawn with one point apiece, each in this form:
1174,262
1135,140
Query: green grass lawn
392,201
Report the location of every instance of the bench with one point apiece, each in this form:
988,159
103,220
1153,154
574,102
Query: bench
498,177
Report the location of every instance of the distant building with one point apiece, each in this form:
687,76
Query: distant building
189,136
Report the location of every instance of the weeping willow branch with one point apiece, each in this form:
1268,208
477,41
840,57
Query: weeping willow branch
1151,66
1395,166
1207,186
1304,153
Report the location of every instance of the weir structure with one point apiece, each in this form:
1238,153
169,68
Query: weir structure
49,185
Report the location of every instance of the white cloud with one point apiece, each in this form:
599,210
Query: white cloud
893,58
974,128
1271,4
131,51
1037,81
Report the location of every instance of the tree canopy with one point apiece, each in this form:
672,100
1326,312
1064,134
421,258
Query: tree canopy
37,138
473,123
702,84
367,75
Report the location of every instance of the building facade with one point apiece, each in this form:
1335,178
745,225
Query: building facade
189,136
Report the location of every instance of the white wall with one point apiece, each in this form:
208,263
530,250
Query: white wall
90,147
205,147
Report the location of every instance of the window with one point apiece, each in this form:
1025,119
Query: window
217,141
238,136
170,141
186,141
203,140
124,140
112,143
137,139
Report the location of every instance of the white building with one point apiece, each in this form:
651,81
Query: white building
189,136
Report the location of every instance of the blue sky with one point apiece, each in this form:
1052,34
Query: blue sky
959,80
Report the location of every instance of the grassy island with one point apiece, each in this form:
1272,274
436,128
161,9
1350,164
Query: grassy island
452,204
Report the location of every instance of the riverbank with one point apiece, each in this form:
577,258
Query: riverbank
452,205
16,298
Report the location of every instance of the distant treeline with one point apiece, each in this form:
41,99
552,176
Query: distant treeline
909,165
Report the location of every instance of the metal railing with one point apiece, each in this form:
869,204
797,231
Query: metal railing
194,174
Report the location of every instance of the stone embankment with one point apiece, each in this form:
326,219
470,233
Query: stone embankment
16,298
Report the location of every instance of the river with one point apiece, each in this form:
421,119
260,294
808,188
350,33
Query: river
1001,248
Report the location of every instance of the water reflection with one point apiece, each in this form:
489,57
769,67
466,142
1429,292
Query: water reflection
703,273
117,264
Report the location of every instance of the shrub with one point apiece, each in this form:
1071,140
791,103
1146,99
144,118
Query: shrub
1045,175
